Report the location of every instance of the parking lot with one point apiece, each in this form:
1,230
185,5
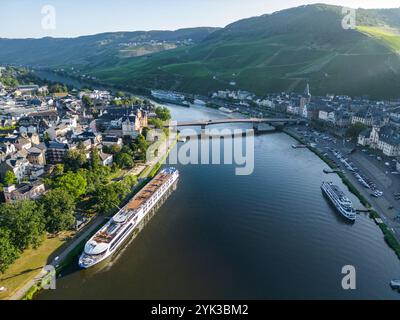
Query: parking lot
374,175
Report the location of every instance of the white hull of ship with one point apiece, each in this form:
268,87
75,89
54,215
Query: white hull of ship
127,231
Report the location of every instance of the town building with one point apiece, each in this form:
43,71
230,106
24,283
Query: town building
56,151
37,155
385,139
25,191
17,165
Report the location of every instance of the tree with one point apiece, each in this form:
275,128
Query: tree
59,210
142,145
74,183
163,113
124,160
46,137
114,149
58,170
145,131
95,161
9,81
95,178
130,181
25,221
157,123
109,196
10,178
58,88
8,252
354,130
87,101
75,159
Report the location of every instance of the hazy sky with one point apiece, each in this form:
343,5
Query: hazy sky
24,18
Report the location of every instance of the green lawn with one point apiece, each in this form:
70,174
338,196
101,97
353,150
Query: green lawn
28,266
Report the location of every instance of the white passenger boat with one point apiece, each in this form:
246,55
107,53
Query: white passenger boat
109,238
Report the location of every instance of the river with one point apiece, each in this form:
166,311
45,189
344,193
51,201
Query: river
268,235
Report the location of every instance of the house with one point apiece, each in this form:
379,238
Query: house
60,130
327,114
364,117
35,171
32,137
123,121
50,117
7,122
37,155
95,138
56,151
385,139
106,159
293,109
23,143
25,191
364,138
342,120
6,148
370,118
17,165
388,142
112,141
132,125
33,125
26,89
28,129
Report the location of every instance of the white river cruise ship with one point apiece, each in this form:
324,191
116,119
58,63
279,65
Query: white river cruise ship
342,203
109,238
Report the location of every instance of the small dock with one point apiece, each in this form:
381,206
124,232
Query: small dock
329,171
363,210
299,146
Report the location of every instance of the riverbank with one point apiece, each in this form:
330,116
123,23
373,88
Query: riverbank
65,253
389,237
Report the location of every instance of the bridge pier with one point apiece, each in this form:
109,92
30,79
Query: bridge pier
256,127
203,130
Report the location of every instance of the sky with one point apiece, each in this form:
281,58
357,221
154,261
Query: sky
71,18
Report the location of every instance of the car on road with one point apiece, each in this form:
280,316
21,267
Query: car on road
377,194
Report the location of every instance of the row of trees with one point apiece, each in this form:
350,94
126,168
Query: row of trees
133,148
23,224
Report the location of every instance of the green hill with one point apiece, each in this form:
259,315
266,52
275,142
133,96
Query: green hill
270,53
277,52
95,50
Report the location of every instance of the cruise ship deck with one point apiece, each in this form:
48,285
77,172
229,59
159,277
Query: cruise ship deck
128,213
147,192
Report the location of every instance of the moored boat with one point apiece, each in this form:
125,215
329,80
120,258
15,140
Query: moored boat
109,238
341,202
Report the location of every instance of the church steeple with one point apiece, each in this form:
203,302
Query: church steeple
307,93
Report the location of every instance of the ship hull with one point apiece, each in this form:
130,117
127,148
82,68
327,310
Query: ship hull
85,262
348,216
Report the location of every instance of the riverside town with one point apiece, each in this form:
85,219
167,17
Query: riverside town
244,154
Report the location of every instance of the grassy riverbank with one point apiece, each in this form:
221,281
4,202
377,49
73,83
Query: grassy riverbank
146,175
28,266
389,237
